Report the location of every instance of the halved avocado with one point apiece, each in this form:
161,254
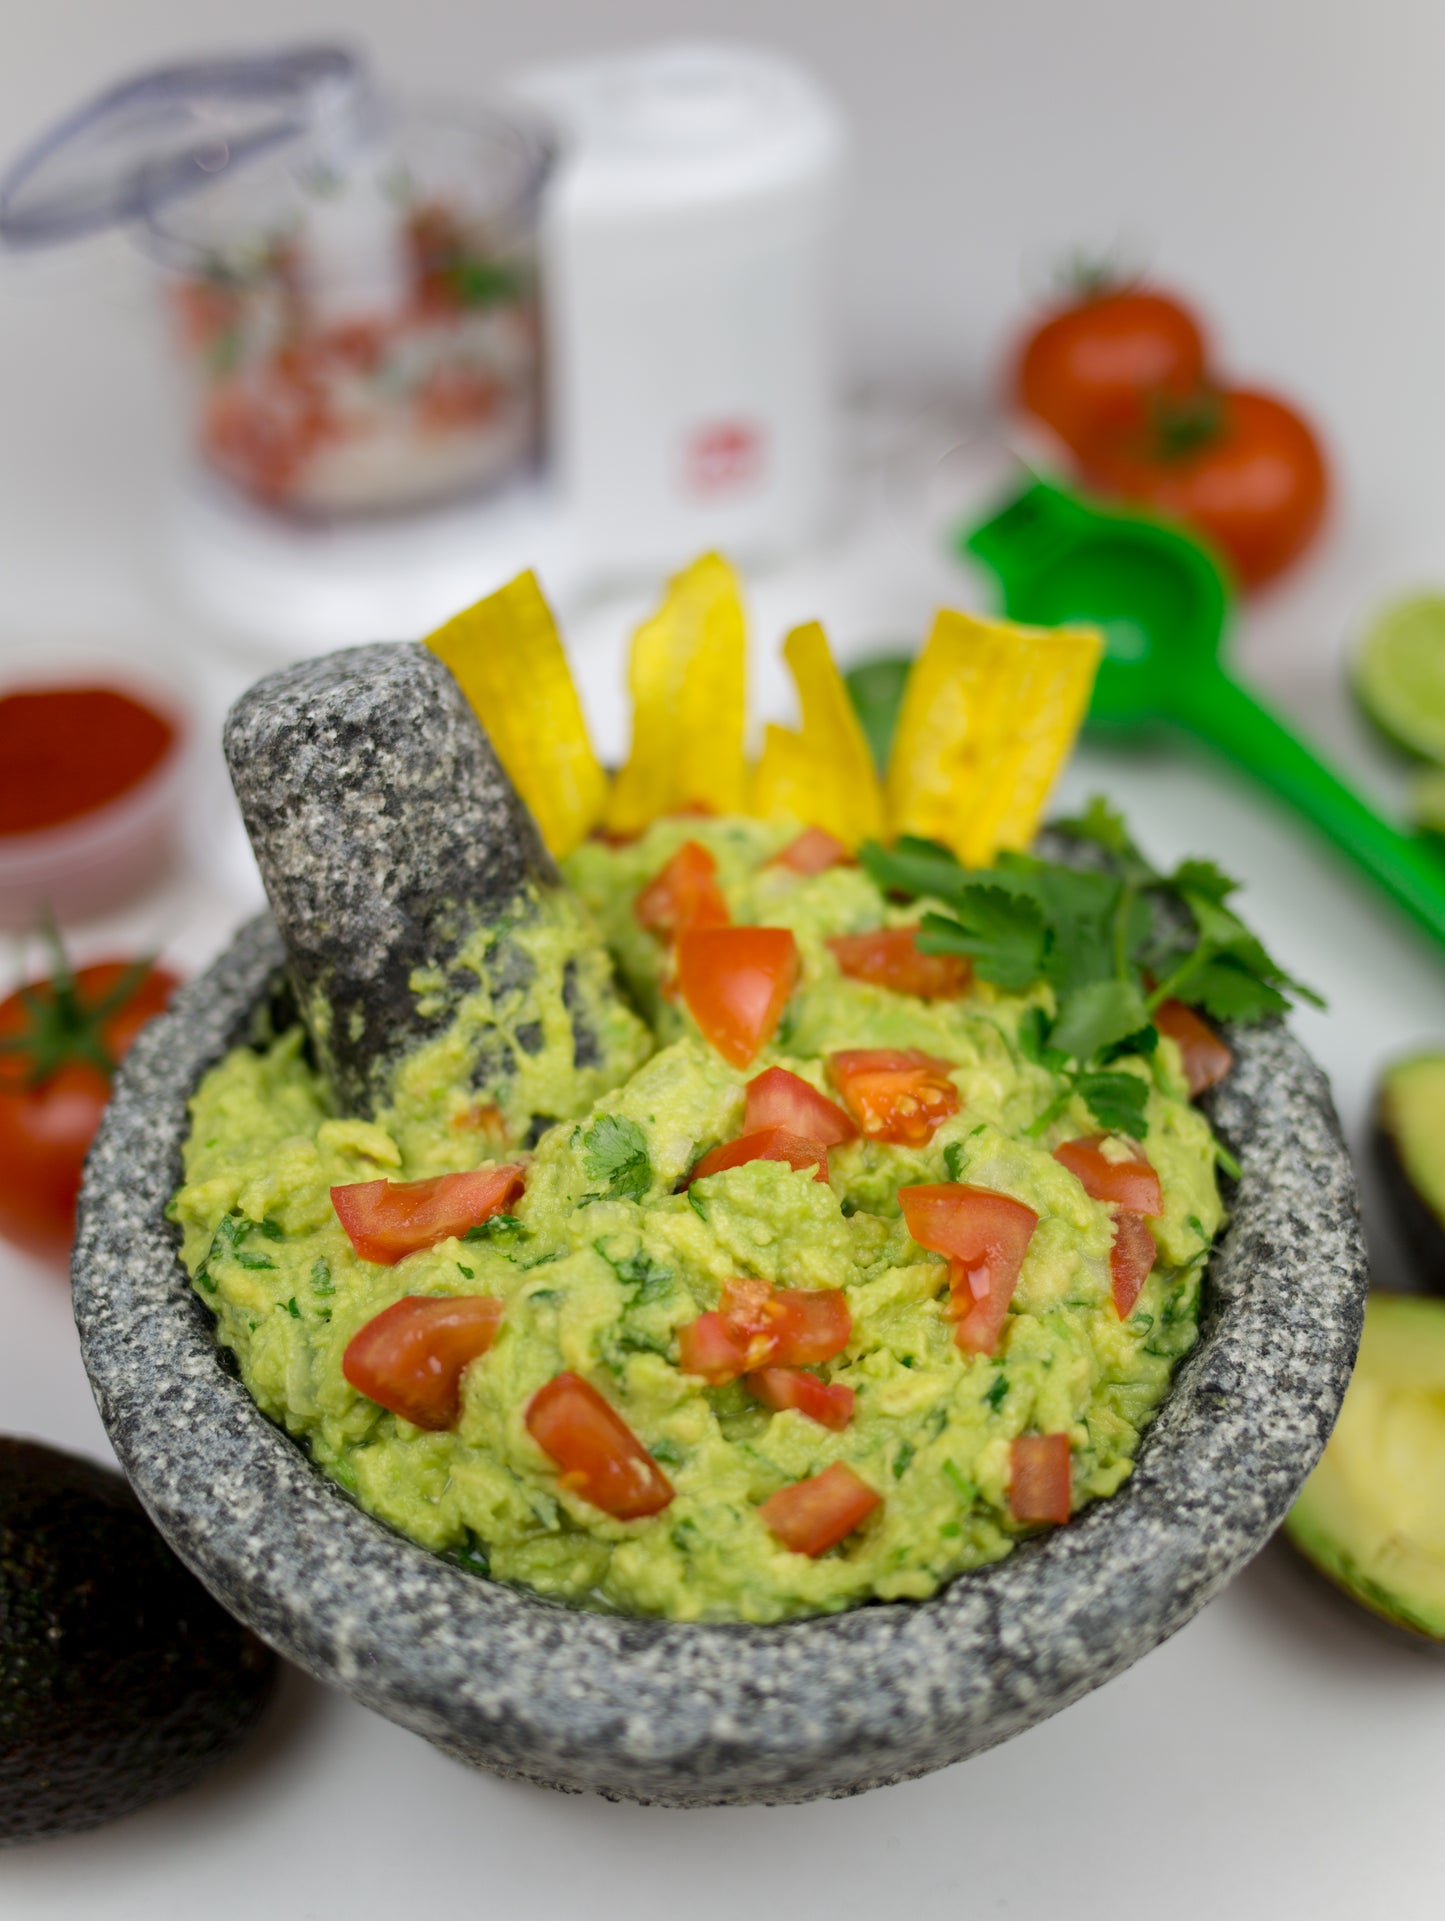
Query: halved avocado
1410,1145
1372,1515
121,1680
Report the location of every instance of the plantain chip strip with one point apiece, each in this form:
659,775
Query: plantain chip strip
822,774
989,715
508,657
688,676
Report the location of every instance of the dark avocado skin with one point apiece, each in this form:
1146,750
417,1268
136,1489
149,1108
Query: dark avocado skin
1420,1227
121,1680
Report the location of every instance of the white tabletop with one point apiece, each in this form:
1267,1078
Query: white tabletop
1279,1756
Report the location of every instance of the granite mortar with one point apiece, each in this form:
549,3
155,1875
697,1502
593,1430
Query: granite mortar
689,1715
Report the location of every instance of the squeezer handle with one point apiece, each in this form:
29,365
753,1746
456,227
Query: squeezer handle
1407,866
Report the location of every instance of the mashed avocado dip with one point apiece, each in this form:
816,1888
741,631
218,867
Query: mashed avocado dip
606,1258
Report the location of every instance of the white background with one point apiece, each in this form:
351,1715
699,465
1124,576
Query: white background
1281,159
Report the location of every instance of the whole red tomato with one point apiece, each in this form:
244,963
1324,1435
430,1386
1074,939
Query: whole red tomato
60,1040
1087,369
1240,468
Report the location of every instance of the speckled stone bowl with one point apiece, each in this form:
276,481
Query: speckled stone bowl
684,1715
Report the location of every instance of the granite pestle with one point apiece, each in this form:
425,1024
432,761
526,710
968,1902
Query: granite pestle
386,830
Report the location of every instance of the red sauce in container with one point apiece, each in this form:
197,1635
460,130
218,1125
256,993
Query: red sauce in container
66,751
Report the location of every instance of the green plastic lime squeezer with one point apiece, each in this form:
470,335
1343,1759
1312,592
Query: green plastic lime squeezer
1162,604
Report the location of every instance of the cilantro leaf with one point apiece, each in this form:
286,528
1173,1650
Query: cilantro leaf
642,1276
1116,1100
1081,911
1104,826
247,1257
1228,972
1001,932
1146,1041
1204,878
497,1227
615,1151
1231,992
1096,1016
912,866
1034,1044
230,1234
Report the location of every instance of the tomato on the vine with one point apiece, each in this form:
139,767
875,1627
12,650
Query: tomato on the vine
1087,368
1241,468
60,1041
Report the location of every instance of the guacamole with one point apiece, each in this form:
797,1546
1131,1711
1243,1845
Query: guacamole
608,1255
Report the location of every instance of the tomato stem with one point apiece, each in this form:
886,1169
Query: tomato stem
1180,425
64,1028
1090,276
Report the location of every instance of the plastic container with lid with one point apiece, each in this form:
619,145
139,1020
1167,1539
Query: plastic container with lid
72,848
688,244
351,281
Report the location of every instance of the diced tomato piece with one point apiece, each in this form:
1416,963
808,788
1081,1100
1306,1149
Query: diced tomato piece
265,431
889,957
831,1405
767,1144
813,852
1132,1184
777,1098
599,1455
410,1357
895,1093
756,1326
736,982
811,1516
1039,1487
387,1220
1206,1058
712,1347
359,344
985,1237
979,1308
456,396
685,894
1130,1260
747,1303
205,311
808,1325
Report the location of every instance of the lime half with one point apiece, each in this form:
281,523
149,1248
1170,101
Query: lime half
1400,673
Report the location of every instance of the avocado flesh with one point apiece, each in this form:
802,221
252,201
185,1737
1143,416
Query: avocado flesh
1372,1515
1410,1145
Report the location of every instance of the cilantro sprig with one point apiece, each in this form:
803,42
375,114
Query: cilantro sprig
615,1151
1113,937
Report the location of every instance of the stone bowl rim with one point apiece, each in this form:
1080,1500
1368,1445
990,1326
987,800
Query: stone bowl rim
689,1714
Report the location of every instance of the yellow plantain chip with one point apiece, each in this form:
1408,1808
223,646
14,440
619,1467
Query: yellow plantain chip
688,677
508,657
989,715
823,774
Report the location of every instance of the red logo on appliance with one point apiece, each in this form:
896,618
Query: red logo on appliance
726,456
